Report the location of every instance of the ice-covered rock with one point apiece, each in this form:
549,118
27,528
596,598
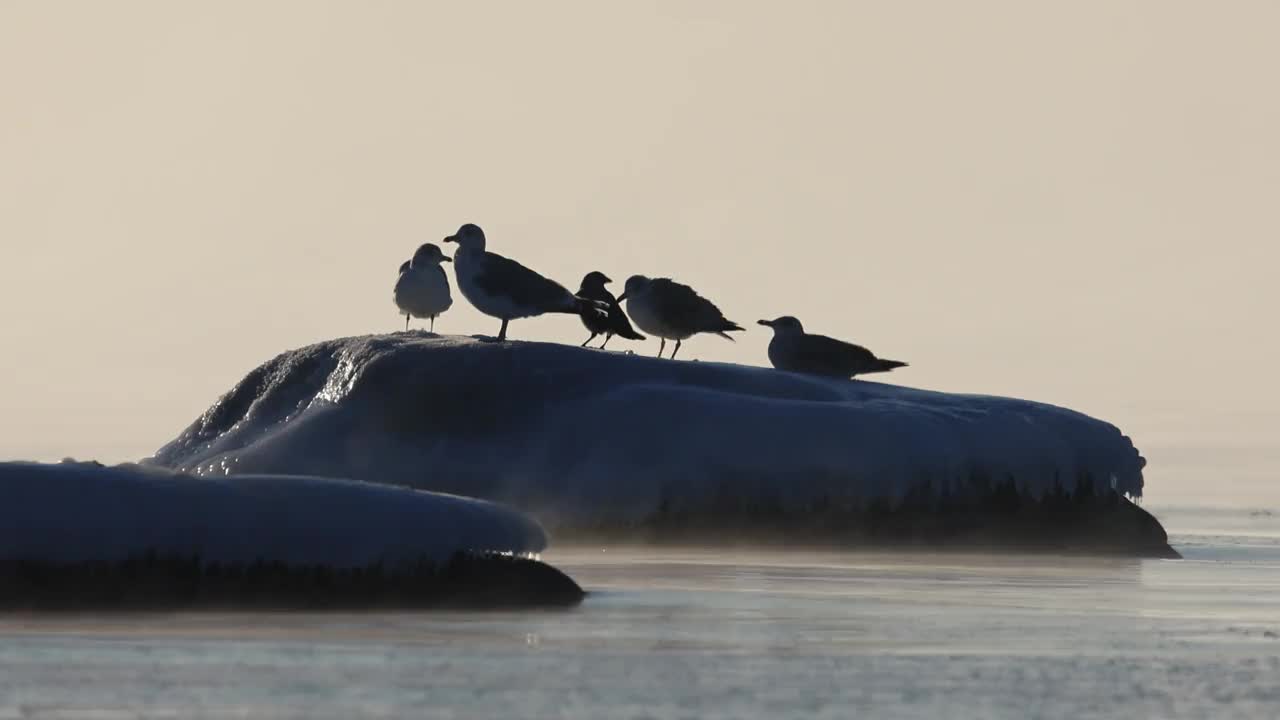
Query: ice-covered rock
592,439
85,535
75,512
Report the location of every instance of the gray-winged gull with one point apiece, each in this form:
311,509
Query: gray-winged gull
797,351
593,288
422,290
672,311
503,288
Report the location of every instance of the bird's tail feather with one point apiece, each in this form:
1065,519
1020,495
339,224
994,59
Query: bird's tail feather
886,365
630,334
728,326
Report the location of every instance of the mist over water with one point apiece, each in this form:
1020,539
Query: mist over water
715,634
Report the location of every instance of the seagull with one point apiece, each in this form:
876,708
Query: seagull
593,288
503,288
797,351
672,311
422,290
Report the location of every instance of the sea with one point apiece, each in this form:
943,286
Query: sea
700,633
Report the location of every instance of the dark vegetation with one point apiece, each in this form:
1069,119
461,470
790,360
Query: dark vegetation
983,515
158,582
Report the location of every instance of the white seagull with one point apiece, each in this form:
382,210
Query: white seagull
672,311
422,290
503,288
795,350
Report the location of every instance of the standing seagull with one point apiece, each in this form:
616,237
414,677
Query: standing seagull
672,311
422,290
593,288
797,351
503,288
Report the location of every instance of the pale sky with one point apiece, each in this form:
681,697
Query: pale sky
1077,203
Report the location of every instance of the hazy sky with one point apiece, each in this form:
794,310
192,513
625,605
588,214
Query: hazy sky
1073,202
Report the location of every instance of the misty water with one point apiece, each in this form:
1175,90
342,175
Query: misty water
721,634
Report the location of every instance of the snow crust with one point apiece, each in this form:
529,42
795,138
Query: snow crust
583,435
75,512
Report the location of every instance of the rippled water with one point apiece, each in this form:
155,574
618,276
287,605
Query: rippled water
703,634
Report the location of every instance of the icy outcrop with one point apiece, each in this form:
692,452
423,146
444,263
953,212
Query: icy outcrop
85,512
586,438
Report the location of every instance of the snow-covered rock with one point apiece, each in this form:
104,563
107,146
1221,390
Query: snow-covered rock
84,512
588,438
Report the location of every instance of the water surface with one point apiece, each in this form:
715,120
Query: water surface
710,634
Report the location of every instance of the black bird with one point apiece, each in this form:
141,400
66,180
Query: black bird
593,288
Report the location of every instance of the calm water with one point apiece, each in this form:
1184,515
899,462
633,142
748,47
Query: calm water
711,635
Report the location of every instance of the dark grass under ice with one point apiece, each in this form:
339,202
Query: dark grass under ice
151,581
980,515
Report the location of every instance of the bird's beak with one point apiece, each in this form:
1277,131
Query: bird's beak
450,239
766,323
606,279
445,258
622,297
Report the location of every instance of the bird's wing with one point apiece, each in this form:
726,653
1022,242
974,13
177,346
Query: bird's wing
440,273
821,354
505,277
403,283
673,299
619,324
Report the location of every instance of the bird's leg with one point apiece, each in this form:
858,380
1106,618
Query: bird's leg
662,347
606,340
584,342
502,334
406,322
673,352
433,324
